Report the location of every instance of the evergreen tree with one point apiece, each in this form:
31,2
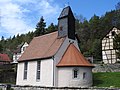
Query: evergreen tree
117,6
13,37
97,49
2,38
51,28
94,24
40,27
3,44
29,36
80,18
1,48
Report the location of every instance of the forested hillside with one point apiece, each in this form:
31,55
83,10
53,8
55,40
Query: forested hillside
89,32
9,45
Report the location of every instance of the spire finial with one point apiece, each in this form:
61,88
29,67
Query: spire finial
66,4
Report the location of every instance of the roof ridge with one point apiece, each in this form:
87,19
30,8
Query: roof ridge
46,34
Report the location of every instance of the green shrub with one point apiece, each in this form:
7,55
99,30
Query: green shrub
11,89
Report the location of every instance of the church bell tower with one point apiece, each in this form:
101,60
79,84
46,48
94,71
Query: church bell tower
66,24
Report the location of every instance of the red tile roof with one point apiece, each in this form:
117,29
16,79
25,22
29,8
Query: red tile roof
4,58
73,57
42,47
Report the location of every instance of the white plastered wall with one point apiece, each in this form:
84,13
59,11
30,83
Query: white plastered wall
59,55
16,57
46,77
65,77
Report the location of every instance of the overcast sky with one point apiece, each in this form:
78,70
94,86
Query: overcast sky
21,16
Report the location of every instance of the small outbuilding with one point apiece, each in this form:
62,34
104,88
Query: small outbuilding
4,59
19,51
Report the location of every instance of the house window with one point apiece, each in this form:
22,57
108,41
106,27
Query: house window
23,48
107,36
75,73
113,33
25,70
38,70
84,75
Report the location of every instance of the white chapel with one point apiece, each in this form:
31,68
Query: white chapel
54,59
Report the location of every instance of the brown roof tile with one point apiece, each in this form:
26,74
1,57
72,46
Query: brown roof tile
73,57
4,57
42,47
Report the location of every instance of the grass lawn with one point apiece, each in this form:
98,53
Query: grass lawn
106,79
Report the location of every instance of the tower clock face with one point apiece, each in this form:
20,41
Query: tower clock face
63,27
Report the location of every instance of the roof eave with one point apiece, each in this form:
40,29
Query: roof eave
35,59
74,66
62,17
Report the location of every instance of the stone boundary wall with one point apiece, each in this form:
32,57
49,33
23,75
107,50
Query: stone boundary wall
106,68
16,87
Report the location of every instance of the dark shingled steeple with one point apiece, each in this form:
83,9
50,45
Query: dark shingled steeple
66,21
